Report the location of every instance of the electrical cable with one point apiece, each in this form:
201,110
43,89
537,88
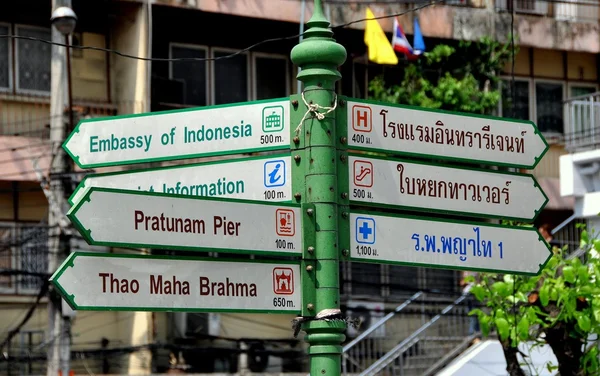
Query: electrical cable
229,56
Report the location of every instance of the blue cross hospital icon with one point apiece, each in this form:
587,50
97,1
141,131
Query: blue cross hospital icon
274,173
365,230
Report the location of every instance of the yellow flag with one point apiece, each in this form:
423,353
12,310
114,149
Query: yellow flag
380,48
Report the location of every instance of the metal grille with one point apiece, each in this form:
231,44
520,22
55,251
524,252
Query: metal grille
33,60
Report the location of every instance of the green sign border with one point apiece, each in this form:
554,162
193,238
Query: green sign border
70,298
72,215
536,184
81,184
450,267
344,112
178,157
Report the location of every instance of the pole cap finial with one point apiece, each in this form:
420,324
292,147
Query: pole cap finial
318,53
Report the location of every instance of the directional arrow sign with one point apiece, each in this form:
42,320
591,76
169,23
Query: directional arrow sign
430,187
447,135
264,179
118,218
447,244
172,135
103,282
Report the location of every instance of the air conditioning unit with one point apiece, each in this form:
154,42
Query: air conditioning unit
524,6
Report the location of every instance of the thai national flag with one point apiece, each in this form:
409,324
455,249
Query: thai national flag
401,44
399,41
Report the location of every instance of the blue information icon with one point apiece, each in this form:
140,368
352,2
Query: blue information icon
274,173
365,230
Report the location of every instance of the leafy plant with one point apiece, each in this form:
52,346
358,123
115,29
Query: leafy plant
456,79
560,308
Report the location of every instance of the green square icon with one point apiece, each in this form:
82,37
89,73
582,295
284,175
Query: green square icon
272,119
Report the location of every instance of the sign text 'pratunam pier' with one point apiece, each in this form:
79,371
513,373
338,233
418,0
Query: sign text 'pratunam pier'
180,134
447,244
118,218
444,189
129,282
406,130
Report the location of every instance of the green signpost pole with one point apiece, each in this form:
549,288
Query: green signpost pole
315,183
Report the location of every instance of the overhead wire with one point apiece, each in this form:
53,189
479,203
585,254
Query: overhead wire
217,58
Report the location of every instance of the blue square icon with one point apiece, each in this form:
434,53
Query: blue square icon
365,230
274,173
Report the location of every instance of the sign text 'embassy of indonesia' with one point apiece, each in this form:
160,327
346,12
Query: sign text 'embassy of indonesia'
172,135
146,283
113,217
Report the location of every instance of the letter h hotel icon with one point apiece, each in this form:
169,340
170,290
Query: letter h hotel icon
362,121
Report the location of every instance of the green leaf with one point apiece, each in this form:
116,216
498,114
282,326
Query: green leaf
523,328
508,278
544,295
503,327
584,322
554,294
479,292
569,274
476,311
501,288
584,239
597,244
484,325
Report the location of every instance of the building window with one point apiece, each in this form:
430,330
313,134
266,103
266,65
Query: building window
271,75
548,106
520,109
33,60
576,90
5,59
230,82
366,279
24,252
190,75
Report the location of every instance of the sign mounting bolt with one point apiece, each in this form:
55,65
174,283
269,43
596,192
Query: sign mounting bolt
344,195
343,158
310,306
296,140
297,195
295,103
297,158
345,214
310,212
309,268
346,252
311,249
343,140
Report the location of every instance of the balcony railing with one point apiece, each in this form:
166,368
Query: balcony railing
23,258
582,128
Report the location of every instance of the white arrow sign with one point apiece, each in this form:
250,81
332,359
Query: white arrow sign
449,135
430,187
172,135
120,218
447,244
127,282
261,179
